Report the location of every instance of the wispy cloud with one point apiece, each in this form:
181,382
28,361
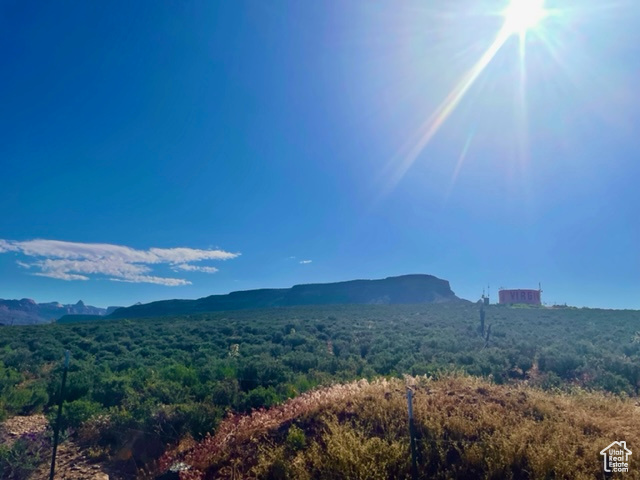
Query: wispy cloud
77,261
304,262
62,275
194,268
6,246
167,282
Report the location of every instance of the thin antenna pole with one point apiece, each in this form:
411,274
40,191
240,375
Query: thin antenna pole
56,430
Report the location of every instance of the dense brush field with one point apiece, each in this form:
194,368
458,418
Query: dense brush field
138,387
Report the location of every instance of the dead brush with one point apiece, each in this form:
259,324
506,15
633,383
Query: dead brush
466,428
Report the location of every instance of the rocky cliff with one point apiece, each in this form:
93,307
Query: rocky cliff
27,311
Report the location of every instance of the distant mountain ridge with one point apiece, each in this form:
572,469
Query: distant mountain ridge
405,289
27,311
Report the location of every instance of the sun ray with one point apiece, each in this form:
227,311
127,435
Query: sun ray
459,163
520,17
430,127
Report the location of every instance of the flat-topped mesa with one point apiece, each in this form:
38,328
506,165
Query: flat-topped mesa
392,290
405,289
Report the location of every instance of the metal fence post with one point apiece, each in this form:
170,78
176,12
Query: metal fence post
56,429
412,435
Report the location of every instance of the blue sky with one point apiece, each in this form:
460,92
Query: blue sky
154,150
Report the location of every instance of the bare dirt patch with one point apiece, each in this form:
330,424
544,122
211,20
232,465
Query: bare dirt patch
71,462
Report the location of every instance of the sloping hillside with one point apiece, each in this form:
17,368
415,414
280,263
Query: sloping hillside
405,289
466,428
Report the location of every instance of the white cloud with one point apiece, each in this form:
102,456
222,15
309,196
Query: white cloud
169,282
183,255
6,247
194,268
62,275
75,261
73,250
304,262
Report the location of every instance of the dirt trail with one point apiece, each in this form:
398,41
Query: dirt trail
13,428
71,462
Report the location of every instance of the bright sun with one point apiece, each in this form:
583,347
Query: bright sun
523,15
520,18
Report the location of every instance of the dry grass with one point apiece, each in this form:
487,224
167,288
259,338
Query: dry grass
466,428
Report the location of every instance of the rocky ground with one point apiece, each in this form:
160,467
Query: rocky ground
71,462
17,426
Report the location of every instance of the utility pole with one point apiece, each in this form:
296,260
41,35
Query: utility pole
56,430
412,435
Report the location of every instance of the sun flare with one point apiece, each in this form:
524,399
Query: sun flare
519,18
523,15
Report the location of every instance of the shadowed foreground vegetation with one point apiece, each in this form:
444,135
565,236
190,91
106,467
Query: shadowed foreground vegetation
466,428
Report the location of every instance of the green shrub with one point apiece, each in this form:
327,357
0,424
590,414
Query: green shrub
613,383
226,392
76,413
27,400
196,419
18,400
180,374
259,397
168,392
296,439
19,460
111,390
